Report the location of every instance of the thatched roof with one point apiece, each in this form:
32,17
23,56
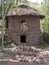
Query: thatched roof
23,9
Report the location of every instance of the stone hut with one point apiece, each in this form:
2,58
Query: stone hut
23,27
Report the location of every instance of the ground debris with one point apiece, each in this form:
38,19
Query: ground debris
25,54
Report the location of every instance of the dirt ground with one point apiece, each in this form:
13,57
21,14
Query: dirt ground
24,55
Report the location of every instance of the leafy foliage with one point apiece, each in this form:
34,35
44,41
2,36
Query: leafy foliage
46,37
10,4
35,5
45,22
43,46
7,41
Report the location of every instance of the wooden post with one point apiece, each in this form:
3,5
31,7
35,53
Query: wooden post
2,1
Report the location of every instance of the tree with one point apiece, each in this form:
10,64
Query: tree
45,22
10,4
5,6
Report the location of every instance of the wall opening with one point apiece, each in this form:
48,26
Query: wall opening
23,21
23,39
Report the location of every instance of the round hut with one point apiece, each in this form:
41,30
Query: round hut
23,25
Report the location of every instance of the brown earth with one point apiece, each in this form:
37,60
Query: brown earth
24,55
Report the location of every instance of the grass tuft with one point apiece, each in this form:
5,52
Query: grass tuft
43,46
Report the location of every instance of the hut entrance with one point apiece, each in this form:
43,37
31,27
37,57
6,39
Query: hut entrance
23,39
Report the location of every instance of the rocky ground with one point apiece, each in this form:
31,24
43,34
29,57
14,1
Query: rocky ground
24,55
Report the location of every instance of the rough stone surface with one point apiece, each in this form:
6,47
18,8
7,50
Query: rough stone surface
16,55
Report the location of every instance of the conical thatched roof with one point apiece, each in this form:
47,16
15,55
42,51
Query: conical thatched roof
23,9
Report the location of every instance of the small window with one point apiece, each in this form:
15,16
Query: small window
23,21
24,26
23,39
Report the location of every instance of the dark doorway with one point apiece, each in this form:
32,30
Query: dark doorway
23,21
23,39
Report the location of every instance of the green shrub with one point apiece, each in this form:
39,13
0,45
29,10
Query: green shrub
45,37
7,41
42,46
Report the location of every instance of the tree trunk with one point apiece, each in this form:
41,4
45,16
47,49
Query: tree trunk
2,24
